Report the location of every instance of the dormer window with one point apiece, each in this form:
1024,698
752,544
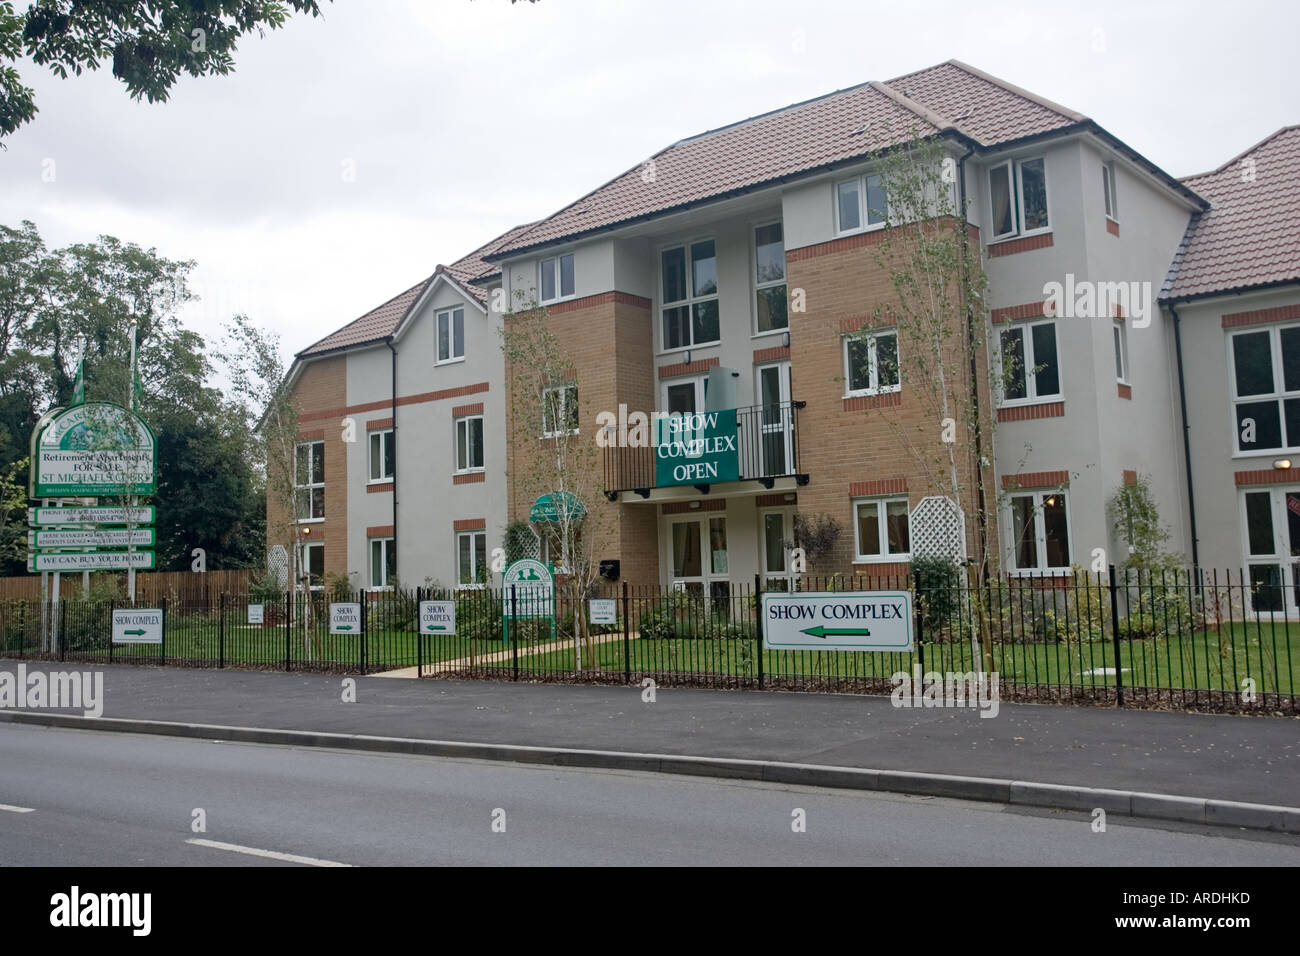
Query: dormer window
557,278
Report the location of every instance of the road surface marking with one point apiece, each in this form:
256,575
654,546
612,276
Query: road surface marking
5,806
269,854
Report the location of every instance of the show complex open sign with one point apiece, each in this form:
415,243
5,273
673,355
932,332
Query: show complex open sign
697,449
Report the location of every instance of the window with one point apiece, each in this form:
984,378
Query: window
881,529
685,396
559,411
381,455
557,278
1108,188
469,443
309,478
860,201
1018,197
471,559
451,335
1040,531
1266,388
1120,333
383,562
311,564
689,309
1030,368
871,363
769,278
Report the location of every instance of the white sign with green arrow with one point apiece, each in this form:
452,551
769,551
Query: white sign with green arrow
838,621
138,625
345,618
437,617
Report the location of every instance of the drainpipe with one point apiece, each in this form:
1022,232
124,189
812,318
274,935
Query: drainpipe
974,367
1187,435
393,415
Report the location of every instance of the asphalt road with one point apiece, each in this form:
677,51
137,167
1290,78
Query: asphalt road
120,799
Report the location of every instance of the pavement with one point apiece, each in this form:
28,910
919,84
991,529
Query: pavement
1200,767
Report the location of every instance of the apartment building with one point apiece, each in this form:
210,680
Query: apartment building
736,272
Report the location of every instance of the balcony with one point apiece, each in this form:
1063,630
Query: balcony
766,448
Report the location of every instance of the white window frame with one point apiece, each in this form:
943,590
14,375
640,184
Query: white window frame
554,264
476,559
863,224
1279,395
691,299
465,442
453,342
769,284
1119,339
787,513
699,381
1110,200
564,407
304,564
875,387
882,530
1016,185
1040,532
310,485
1279,556
370,445
383,557
1031,379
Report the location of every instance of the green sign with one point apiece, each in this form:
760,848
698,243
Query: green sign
552,508
89,561
93,450
696,449
45,517
98,538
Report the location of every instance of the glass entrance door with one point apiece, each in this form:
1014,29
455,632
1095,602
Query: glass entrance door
1271,519
776,533
775,420
699,558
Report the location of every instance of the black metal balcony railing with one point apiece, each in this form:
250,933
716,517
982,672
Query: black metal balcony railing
767,447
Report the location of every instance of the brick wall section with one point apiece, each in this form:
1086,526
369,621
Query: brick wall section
474,477
378,488
1027,310
687,368
469,524
379,531
321,391
378,424
1012,246
1112,227
460,411
1035,479
879,486
1234,320
1125,391
771,355
607,340
1023,413
776,501
1265,476
847,444
684,507
1130,476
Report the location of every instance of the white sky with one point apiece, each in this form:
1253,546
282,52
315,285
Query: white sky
464,117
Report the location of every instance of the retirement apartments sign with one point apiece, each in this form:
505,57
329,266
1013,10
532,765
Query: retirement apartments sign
93,450
696,449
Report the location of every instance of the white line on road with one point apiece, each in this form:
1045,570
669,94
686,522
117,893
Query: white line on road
269,854
5,806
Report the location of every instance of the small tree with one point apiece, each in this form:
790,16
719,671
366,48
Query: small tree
1135,520
553,454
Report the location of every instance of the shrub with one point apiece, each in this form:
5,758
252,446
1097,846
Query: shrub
938,583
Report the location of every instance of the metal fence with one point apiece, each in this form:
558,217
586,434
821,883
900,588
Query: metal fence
1162,639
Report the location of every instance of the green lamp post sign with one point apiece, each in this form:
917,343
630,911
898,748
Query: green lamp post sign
697,449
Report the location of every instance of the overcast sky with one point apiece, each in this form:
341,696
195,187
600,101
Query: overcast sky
461,118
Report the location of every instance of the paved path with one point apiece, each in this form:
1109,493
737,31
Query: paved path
1250,759
499,657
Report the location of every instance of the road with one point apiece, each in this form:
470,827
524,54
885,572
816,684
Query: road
119,799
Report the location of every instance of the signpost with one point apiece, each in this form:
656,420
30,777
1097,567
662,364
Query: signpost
838,621
527,591
603,611
256,614
697,449
137,625
58,561
94,449
345,618
437,617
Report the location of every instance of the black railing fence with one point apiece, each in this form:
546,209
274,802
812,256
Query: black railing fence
1173,638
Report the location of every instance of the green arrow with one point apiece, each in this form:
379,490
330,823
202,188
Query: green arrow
436,627
824,632
139,633
344,627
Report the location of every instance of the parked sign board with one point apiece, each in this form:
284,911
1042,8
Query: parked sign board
838,620
45,517
89,561
437,617
345,618
137,625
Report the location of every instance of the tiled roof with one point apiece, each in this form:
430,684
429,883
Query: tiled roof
1250,236
807,136
382,321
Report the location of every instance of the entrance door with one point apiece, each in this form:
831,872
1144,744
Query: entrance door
698,557
772,383
1271,519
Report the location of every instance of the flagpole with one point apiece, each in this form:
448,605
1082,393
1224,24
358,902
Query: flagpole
130,501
